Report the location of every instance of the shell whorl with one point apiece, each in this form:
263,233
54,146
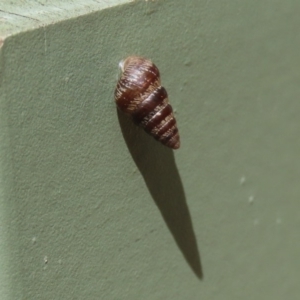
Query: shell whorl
139,93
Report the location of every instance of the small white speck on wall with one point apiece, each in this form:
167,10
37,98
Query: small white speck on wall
255,222
278,221
251,199
242,180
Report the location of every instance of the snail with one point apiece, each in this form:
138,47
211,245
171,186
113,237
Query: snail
139,94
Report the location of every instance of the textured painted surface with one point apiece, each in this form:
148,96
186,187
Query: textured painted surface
93,208
18,16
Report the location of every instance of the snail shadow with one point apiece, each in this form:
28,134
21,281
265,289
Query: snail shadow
157,166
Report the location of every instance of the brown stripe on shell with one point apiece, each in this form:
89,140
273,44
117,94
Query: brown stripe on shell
174,142
140,94
155,99
166,127
158,118
169,135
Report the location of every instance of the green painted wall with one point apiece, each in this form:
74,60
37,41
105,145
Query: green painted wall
93,208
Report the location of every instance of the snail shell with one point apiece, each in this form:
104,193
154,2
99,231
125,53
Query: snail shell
139,93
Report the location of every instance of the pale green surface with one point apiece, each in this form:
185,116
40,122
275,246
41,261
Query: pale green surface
21,15
71,193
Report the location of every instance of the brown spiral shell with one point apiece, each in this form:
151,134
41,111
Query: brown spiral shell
139,93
